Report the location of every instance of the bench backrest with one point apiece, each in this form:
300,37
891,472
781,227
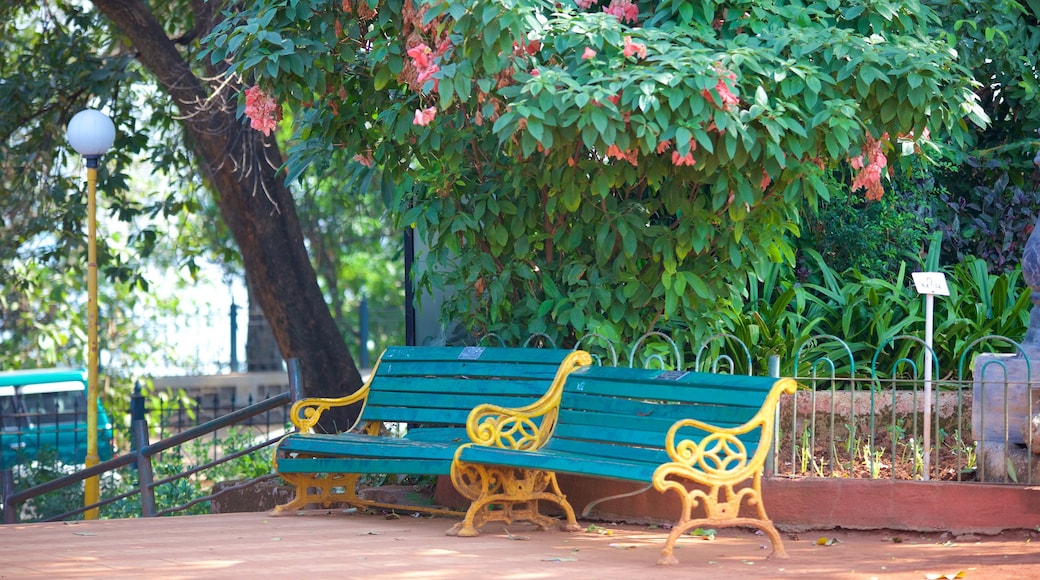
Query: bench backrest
626,412
441,385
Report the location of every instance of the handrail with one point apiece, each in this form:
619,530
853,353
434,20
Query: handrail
142,456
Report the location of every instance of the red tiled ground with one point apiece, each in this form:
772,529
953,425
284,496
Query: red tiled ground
336,545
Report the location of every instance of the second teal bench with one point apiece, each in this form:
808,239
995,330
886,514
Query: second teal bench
704,436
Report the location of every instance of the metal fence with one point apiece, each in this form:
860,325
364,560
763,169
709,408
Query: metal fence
976,422
854,418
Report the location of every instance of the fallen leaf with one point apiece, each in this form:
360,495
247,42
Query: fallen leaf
708,534
825,541
512,537
369,533
622,546
559,559
599,530
276,539
392,516
83,534
950,576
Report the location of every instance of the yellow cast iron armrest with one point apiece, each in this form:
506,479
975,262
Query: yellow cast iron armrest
721,455
516,428
305,413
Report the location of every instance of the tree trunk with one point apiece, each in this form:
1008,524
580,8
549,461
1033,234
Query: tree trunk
239,164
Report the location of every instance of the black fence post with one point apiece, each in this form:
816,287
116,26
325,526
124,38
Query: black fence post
145,477
295,381
6,491
136,414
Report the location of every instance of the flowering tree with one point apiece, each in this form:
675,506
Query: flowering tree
601,165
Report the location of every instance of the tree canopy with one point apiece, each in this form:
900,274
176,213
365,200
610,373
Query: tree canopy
601,166
136,61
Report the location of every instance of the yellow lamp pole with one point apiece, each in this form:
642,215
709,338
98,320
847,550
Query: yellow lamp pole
91,134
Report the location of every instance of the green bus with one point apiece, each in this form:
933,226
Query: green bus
47,409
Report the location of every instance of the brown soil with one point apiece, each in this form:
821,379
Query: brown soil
836,456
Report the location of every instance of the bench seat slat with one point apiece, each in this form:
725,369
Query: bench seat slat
412,466
455,417
676,392
455,353
368,446
620,435
471,369
563,462
638,376
527,386
657,421
453,401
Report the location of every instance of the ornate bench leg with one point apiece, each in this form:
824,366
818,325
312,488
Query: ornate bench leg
513,493
722,506
320,489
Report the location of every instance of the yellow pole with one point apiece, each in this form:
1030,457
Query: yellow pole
92,491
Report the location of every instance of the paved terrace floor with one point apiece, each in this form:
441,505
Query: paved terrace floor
332,544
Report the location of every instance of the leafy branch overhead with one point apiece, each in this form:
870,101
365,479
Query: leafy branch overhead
602,165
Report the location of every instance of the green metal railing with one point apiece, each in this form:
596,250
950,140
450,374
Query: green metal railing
143,453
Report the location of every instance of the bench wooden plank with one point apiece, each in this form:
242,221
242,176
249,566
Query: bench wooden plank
433,391
700,435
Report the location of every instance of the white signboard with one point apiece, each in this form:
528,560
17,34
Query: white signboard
933,283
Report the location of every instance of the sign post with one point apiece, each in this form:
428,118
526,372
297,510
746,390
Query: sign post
931,284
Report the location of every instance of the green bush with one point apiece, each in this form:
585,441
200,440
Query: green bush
872,237
867,313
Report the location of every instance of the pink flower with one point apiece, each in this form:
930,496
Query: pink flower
535,72
420,54
870,164
424,117
262,110
663,146
631,155
365,159
585,4
589,53
426,74
632,48
423,62
680,160
623,10
729,100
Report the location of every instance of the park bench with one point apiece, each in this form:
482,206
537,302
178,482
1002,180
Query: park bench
704,436
431,390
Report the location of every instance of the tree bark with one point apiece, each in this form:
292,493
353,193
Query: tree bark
239,164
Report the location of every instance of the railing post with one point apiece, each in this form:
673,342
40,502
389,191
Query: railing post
144,470
295,379
295,382
136,414
6,491
770,466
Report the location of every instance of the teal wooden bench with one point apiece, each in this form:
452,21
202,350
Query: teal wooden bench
432,390
703,436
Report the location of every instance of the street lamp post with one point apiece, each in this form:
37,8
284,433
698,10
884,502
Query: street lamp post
91,134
